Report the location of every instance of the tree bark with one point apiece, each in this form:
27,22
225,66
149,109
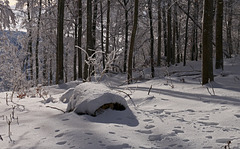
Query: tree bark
30,53
79,38
151,37
107,30
126,36
37,42
59,59
159,34
207,36
169,40
102,37
219,35
130,55
87,67
186,35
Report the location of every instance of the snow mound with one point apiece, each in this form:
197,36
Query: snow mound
92,98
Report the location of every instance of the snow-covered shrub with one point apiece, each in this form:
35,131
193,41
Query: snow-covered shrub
92,98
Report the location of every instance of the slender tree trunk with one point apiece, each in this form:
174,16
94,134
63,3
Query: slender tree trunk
79,38
59,71
169,41
159,34
107,30
151,37
87,67
164,28
186,35
75,50
229,28
207,36
219,35
102,37
30,53
126,36
130,55
37,42
174,35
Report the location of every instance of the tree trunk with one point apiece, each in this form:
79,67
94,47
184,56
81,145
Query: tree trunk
126,36
169,41
30,54
219,35
130,55
229,28
186,35
207,36
59,59
102,37
159,34
87,66
75,50
79,38
164,28
151,37
107,31
37,42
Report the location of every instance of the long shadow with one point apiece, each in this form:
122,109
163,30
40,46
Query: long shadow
125,117
193,96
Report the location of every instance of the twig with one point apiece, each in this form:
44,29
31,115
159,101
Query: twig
128,96
56,108
149,90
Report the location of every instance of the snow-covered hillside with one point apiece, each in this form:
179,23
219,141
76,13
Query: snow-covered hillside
171,111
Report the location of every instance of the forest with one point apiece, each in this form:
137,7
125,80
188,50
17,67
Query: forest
68,40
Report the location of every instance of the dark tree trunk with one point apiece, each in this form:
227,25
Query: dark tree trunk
87,67
151,37
30,53
219,35
75,51
186,35
126,36
207,36
102,37
79,38
37,42
169,41
59,72
107,30
159,34
229,28
130,55
164,28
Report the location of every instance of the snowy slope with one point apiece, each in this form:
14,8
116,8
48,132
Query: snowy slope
178,113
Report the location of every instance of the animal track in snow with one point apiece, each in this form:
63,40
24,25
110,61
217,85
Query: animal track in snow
59,135
237,115
144,131
149,126
208,123
61,143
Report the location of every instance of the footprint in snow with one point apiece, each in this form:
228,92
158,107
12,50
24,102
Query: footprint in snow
61,143
208,123
144,131
66,119
111,132
177,131
149,126
237,115
57,130
88,133
37,128
59,135
148,120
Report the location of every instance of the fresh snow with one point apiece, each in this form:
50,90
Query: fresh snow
88,97
177,113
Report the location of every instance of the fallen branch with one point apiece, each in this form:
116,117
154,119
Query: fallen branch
56,108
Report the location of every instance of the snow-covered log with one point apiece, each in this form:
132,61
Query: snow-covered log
93,98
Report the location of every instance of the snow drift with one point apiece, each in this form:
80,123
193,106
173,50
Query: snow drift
92,98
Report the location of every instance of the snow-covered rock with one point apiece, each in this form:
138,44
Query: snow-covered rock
89,98
67,95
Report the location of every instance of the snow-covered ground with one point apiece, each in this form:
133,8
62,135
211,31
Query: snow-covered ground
178,113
